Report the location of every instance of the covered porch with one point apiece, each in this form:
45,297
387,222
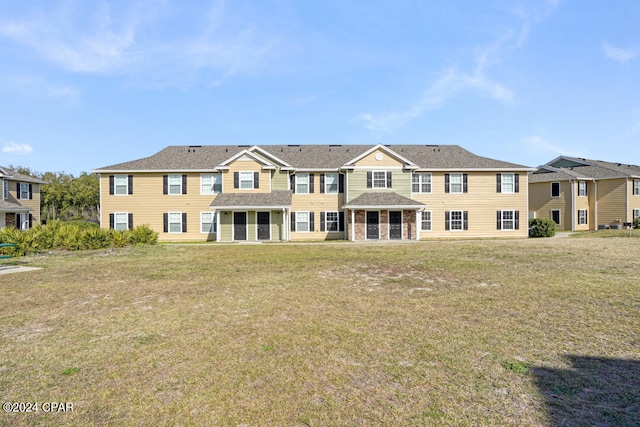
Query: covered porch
252,217
383,216
14,215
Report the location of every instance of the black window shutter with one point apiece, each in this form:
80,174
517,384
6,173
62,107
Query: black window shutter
516,183
340,221
112,221
311,224
30,220
465,220
130,221
165,185
293,186
464,184
30,191
446,185
586,216
184,184
498,220
322,184
293,221
166,222
130,184
498,183
111,184
236,180
389,183
311,179
184,222
369,179
340,183
516,216
17,190
446,220
322,225
256,180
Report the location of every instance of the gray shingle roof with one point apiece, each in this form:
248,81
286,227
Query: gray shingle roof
382,200
15,176
590,169
12,207
207,157
275,199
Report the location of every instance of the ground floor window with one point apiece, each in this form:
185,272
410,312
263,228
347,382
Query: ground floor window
302,221
426,221
208,222
121,221
582,216
636,214
175,222
508,220
331,221
555,216
456,220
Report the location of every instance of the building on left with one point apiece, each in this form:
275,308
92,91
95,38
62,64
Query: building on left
20,202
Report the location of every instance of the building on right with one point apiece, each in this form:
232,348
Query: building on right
581,194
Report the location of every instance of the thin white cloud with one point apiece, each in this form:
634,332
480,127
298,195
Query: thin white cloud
536,144
617,53
15,148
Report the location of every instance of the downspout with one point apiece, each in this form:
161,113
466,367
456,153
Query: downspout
595,206
353,228
418,213
99,209
573,206
626,207
218,229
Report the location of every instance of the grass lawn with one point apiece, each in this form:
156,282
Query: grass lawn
526,332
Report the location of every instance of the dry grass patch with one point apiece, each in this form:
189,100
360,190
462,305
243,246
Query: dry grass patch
433,333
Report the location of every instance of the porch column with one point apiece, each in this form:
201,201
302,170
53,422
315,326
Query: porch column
418,220
218,230
353,226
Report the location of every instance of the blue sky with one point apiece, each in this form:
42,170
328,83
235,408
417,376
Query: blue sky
86,84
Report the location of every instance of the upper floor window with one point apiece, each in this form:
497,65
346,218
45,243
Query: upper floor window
24,190
121,185
210,183
246,180
421,183
5,191
455,183
508,183
331,183
555,189
582,189
302,183
636,187
379,179
174,184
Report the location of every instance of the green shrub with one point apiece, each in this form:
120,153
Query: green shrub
142,235
636,222
542,227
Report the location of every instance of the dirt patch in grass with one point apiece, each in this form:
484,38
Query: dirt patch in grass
436,333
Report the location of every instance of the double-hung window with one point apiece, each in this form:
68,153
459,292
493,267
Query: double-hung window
582,216
121,185
302,221
426,221
636,187
5,191
636,214
208,222
24,190
175,222
121,221
421,183
379,179
582,189
302,183
246,180
210,183
508,220
456,220
455,183
175,184
555,189
331,221
507,183
331,183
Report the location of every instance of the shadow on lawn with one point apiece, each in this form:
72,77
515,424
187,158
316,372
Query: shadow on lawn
596,392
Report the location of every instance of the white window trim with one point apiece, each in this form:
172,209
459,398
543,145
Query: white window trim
299,177
513,183
126,220
308,230
461,221
240,180
22,193
635,213
559,190
582,183
430,221
169,222
115,185
636,187
373,178
451,175
326,222
513,220
5,189
214,223
214,177
179,193
421,175
559,215
326,184
580,213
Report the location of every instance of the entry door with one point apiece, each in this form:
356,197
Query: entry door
239,226
264,223
2,220
395,225
373,226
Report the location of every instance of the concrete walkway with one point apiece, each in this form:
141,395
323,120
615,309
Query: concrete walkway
8,269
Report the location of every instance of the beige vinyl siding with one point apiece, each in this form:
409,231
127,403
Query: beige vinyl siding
148,204
242,165
541,202
33,203
371,161
634,201
316,203
481,202
400,183
583,203
612,200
